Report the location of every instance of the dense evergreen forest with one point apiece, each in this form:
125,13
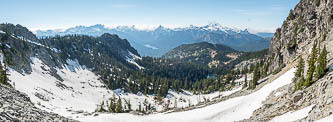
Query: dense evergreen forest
108,56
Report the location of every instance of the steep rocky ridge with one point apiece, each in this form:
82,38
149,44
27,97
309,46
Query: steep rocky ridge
21,44
311,21
285,99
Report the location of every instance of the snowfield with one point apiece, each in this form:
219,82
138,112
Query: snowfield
234,109
293,116
81,91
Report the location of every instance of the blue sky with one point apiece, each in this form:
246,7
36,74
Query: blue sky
259,15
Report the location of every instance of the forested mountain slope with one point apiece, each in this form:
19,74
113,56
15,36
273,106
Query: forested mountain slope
156,42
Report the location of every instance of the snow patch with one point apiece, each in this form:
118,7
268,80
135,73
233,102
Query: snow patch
1,58
326,119
8,46
81,91
131,59
277,94
35,43
72,65
234,109
293,116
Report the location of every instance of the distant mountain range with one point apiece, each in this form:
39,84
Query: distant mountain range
158,41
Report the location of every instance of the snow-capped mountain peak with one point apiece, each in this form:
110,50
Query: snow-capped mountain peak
166,38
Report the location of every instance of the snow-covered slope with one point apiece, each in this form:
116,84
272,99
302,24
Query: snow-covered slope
81,90
234,109
326,119
293,116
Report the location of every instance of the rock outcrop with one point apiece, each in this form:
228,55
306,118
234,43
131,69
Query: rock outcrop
16,106
286,100
310,22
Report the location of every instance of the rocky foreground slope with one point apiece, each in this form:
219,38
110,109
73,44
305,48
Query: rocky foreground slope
16,106
318,98
310,23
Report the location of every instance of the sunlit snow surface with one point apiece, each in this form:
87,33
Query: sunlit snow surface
81,91
293,116
234,109
326,119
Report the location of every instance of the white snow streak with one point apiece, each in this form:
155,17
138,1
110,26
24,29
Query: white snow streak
293,116
326,119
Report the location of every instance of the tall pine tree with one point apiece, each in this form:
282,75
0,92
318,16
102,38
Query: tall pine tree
299,75
245,81
256,76
312,66
119,107
322,62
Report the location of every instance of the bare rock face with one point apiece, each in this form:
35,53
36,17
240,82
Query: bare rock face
286,100
16,106
310,22
297,97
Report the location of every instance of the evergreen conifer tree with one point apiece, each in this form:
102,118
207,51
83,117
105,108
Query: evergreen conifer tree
299,75
245,81
119,108
145,105
112,107
322,62
256,76
312,66
300,68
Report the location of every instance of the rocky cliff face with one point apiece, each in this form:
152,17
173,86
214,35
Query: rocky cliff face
310,22
16,106
318,99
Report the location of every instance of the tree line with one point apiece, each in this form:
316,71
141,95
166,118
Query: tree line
317,67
